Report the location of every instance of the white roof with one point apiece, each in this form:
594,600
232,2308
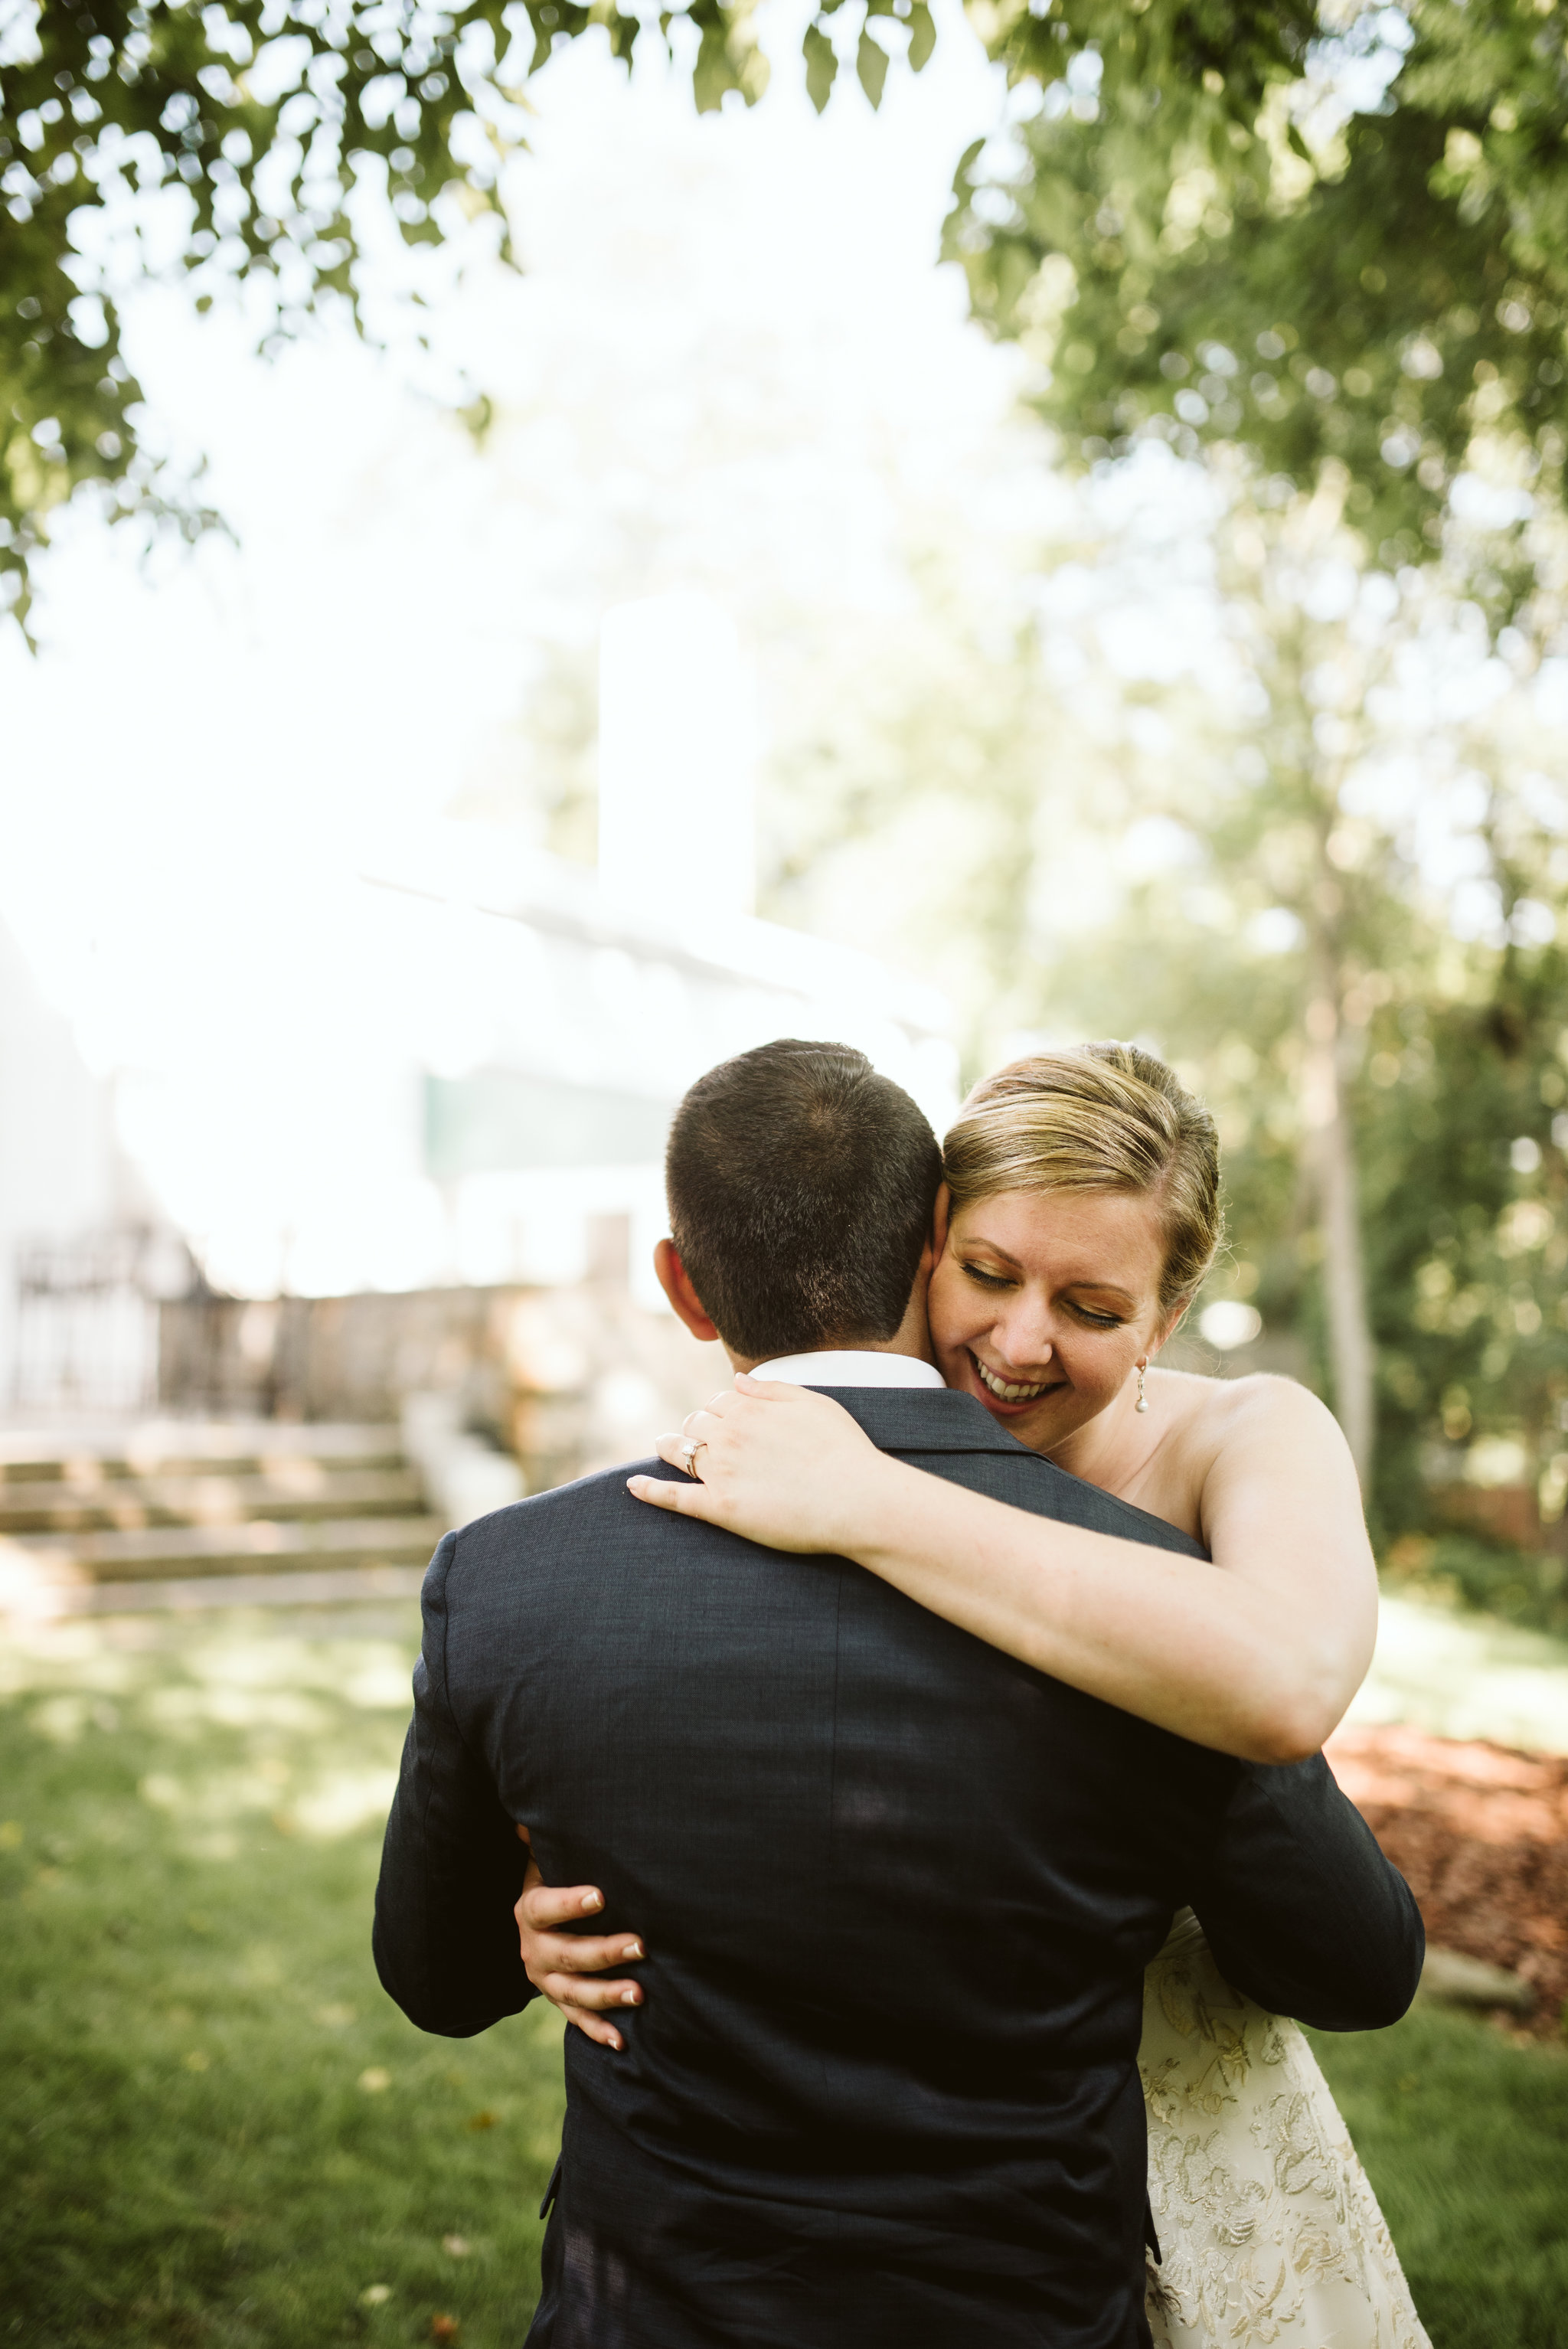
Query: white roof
548,974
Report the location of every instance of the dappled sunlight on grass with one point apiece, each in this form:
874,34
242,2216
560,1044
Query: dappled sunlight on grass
1459,1675
346,1800
218,2129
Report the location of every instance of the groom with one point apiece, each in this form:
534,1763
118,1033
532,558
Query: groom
898,1889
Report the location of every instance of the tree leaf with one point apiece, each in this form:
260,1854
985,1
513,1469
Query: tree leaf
871,64
821,66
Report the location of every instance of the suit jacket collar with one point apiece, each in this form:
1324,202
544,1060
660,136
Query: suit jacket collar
925,1419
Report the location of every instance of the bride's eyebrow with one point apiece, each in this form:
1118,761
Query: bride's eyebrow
992,1248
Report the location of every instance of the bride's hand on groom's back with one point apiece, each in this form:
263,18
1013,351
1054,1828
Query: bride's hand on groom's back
783,1466
564,1967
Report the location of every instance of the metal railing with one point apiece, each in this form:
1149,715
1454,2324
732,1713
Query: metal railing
87,1317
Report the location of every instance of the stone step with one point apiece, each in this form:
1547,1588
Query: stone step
94,1453
289,1489
352,1587
1450,1979
155,1553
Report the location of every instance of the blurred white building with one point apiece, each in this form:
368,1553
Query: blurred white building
459,1066
572,1009
63,1296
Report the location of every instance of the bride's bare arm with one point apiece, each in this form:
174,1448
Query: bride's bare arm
1256,1655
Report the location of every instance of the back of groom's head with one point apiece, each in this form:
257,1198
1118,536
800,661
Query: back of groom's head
801,1185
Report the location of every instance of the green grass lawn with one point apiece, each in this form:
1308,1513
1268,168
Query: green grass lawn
1465,2137
216,2130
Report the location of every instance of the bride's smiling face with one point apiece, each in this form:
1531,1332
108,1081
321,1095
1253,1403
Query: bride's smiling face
1041,1304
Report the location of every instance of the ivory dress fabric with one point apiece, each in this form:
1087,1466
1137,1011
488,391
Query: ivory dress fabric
1269,2232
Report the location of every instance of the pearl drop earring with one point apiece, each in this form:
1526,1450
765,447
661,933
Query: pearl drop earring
1142,1403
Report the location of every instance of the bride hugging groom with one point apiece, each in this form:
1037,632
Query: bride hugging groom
973,1858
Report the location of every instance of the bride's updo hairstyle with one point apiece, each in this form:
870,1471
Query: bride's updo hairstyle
1096,1117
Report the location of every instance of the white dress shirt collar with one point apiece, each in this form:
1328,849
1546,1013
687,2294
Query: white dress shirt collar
850,1367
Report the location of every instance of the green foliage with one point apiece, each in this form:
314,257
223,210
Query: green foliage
1489,1577
1325,250
1196,246
195,2148
272,117
264,116
1465,2138
1288,931
1208,63
1198,242
1468,1250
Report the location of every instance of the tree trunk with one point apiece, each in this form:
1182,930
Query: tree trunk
1351,1353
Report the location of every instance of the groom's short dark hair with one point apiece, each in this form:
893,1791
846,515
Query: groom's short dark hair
801,1185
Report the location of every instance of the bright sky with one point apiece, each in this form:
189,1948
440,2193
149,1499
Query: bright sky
215,730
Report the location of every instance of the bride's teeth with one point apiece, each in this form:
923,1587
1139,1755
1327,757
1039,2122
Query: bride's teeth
1002,1390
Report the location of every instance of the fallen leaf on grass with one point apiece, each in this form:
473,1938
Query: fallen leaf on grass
373,2079
335,2018
373,2294
481,2120
443,2328
456,2246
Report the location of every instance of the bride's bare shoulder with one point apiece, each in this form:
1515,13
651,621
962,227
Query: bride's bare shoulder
1263,1406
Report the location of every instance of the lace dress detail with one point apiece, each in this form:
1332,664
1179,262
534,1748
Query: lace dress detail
1269,2230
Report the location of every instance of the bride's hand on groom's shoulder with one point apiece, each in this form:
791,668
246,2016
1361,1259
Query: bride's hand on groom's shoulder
783,1466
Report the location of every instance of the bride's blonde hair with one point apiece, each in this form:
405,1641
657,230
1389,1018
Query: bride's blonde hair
1096,1117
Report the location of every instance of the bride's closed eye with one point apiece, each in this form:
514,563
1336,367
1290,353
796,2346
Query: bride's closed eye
984,1279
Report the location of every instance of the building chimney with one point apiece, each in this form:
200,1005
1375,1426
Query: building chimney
677,754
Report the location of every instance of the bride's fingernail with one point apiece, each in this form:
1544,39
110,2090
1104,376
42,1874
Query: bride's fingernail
632,1950
628,1998
592,1900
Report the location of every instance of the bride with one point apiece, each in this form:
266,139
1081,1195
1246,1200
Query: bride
1078,1217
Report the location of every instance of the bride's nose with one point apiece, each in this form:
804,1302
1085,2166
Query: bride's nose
1025,1345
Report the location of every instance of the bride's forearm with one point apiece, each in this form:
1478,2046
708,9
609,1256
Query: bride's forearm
1175,1640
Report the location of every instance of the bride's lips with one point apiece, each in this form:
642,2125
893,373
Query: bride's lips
1007,1407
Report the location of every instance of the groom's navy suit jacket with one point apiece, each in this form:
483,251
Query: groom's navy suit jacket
898,1892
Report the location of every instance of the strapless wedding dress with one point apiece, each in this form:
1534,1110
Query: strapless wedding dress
1268,2229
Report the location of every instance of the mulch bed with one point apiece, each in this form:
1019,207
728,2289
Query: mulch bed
1480,1835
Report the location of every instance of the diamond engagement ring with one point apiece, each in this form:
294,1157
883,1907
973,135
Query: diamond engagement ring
689,1451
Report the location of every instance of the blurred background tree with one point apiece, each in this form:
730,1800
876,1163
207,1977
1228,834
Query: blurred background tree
1396,182
1331,262
268,145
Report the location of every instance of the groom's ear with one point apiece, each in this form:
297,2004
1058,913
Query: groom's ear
939,1218
675,1282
